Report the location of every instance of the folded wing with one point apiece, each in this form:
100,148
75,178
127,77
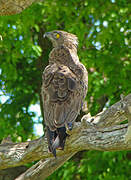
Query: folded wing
62,94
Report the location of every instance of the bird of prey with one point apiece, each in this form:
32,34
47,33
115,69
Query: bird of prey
64,87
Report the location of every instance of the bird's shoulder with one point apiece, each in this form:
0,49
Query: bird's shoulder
59,77
62,94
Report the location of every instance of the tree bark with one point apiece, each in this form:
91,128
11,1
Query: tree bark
10,7
12,173
102,132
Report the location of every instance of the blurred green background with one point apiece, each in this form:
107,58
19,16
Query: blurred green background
103,30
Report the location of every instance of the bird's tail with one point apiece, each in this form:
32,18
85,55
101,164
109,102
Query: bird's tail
51,136
59,142
56,139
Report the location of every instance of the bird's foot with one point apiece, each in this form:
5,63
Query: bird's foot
69,127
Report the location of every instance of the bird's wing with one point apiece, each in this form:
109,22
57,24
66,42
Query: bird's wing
62,94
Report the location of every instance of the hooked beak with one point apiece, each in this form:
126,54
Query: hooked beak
47,34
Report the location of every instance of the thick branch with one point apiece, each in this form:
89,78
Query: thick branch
44,168
87,135
12,173
107,139
115,114
10,7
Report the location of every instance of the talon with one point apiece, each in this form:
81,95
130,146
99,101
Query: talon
69,127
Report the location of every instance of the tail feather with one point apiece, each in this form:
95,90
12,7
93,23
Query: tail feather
56,143
59,142
56,139
51,135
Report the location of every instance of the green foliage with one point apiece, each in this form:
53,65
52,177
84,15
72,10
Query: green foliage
103,31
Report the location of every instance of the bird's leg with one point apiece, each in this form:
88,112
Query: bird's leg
51,137
69,126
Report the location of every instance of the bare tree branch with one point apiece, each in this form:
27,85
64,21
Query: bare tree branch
44,168
113,115
93,133
109,139
10,7
12,173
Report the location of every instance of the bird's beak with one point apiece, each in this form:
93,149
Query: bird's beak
47,34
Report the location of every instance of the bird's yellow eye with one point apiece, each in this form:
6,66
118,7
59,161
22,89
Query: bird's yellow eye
57,36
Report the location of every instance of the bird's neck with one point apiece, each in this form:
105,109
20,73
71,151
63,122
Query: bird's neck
70,45
64,55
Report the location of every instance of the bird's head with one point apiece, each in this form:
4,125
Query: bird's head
61,38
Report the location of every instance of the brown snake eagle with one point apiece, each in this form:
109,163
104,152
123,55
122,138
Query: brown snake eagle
64,88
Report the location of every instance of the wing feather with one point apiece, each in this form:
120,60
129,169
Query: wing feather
62,96
64,88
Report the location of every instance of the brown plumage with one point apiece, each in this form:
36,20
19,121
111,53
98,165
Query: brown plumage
64,88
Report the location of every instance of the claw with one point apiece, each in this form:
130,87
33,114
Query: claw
69,127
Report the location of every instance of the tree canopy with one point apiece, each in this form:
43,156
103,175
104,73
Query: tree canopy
103,31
